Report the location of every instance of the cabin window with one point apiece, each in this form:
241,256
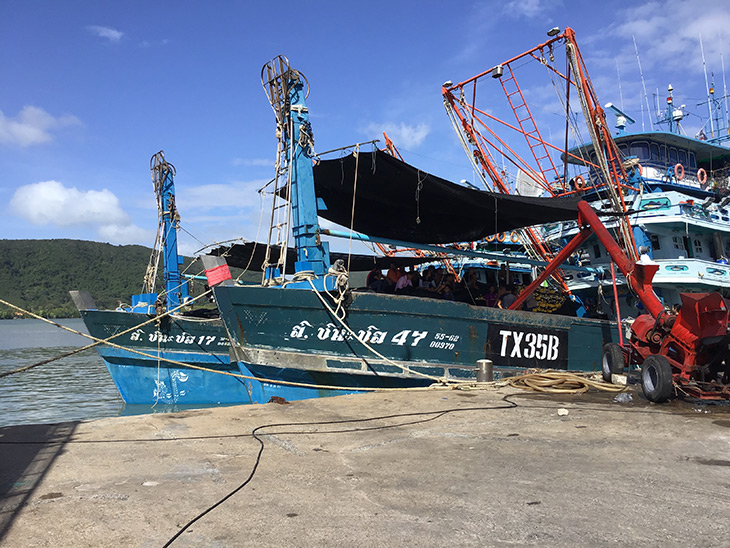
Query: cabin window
596,251
663,153
692,160
655,242
683,158
677,243
640,149
624,148
654,148
698,246
672,156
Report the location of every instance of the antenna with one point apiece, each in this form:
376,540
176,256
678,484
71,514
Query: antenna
646,97
707,87
724,92
620,91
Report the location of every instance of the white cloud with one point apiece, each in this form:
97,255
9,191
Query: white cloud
257,162
52,203
685,22
126,233
32,126
527,8
401,134
207,197
155,43
113,35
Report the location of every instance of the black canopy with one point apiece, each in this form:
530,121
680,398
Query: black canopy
397,201
251,255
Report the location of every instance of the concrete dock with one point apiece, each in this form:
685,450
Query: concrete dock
461,468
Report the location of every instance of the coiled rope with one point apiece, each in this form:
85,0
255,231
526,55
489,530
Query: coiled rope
560,382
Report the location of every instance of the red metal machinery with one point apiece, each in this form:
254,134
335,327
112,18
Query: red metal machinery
688,348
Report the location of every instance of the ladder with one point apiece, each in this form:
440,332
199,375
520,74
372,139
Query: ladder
528,127
274,78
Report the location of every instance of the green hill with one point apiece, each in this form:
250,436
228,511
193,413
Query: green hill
37,275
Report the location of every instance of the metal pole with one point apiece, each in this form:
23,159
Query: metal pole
618,310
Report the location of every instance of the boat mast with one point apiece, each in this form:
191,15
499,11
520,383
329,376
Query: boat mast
724,92
176,291
294,195
643,85
707,87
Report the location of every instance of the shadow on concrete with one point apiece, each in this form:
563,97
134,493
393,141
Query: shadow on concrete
26,455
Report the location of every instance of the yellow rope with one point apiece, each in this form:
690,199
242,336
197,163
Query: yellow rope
371,349
355,153
71,330
201,368
560,382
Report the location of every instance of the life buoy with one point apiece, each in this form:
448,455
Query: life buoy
702,176
501,236
679,172
490,238
514,237
580,183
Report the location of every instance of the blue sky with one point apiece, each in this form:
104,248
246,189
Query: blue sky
91,90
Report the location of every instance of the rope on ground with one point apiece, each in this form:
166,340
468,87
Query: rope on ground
560,382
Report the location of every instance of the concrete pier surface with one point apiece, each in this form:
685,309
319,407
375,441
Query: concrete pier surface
436,468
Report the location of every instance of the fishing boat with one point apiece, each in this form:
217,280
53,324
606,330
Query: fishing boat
161,349
679,214
311,335
670,195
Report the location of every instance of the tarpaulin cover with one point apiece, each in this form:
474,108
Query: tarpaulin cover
397,201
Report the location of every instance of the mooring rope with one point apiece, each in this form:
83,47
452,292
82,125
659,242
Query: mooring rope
88,346
405,369
198,367
547,381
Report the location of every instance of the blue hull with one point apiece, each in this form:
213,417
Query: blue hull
147,380
288,335
142,380
262,392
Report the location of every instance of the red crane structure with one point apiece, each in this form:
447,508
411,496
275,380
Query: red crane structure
507,131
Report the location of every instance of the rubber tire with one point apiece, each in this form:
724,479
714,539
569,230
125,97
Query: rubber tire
612,362
656,379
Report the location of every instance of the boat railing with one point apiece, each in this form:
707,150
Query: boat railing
696,270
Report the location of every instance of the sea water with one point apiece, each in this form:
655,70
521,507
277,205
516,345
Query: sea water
74,388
